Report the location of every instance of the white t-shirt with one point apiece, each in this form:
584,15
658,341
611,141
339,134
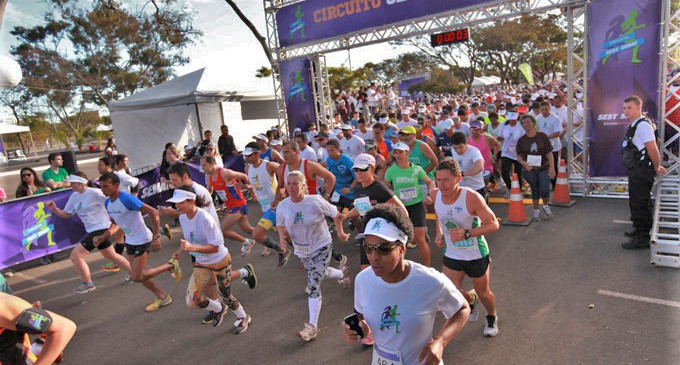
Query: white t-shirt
401,315
125,211
510,136
466,161
90,209
474,116
465,128
204,230
203,192
549,125
127,182
372,97
305,223
352,147
365,136
643,134
560,112
308,154
401,124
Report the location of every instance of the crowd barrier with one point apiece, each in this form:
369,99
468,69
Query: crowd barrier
30,231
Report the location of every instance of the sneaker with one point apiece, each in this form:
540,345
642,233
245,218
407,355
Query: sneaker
635,243
266,251
110,267
491,326
474,307
537,215
368,340
251,278
166,231
411,245
158,303
247,247
350,225
547,211
176,271
210,318
54,257
219,317
45,260
343,262
84,288
346,280
241,325
128,280
8,273
309,333
283,257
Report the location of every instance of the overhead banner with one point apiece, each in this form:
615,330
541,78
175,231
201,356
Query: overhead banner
297,89
623,60
310,21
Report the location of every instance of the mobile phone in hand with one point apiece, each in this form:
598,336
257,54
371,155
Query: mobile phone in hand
353,322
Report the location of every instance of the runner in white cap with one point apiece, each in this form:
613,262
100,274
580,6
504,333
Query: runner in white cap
212,268
88,203
266,152
400,322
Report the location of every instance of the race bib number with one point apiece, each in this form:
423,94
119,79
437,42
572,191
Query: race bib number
222,194
302,248
534,160
363,205
408,194
382,356
263,202
335,197
198,254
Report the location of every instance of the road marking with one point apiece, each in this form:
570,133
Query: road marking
43,168
30,278
617,221
638,298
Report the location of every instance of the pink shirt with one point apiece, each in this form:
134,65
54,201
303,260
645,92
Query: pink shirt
485,149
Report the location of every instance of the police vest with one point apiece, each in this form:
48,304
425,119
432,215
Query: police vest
633,157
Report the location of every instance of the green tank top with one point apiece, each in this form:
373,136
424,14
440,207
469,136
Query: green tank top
417,157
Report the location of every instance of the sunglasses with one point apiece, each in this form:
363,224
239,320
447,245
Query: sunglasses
382,249
360,169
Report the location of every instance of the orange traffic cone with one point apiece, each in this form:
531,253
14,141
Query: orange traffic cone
516,214
560,196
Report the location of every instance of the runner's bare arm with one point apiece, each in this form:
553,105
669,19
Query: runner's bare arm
478,207
55,209
432,353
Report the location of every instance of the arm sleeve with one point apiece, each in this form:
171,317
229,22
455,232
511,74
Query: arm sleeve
327,208
281,210
384,194
421,173
70,205
212,231
477,155
450,299
646,132
130,201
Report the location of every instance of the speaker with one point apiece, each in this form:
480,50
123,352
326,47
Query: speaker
70,161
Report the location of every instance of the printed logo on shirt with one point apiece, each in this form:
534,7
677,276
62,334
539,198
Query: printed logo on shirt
534,147
389,318
299,218
192,237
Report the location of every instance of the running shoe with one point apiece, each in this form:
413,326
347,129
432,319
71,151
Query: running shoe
219,317
210,318
491,326
241,325
54,257
251,278
110,267
343,262
346,280
537,215
266,251
247,247
411,245
84,288
175,271
8,273
45,260
166,231
128,280
309,333
547,211
159,302
474,307
283,257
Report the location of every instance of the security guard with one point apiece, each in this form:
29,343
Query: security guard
642,160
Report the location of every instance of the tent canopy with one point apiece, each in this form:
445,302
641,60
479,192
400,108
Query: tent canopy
12,128
482,81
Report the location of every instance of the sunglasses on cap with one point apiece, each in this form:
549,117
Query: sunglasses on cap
360,169
383,248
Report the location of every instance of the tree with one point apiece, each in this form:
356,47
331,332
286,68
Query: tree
82,56
441,82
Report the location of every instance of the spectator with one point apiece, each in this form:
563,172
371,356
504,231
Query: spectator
225,143
211,150
111,148
55,176
30,184
207,139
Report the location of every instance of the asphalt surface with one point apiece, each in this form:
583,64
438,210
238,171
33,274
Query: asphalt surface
546,279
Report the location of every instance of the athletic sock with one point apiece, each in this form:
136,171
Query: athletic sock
214,306
268,242
240,312
243,272
333,273
490,320
314,310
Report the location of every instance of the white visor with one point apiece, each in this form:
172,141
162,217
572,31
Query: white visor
77,179
380,227
181,195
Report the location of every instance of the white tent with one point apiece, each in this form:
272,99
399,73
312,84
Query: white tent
482,81
176,111
11,129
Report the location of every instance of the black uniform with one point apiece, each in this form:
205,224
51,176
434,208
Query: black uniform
641,174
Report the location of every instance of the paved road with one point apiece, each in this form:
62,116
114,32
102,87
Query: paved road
545,277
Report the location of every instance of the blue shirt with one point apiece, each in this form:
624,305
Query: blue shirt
344,175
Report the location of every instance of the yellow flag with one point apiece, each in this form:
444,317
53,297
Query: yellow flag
525,68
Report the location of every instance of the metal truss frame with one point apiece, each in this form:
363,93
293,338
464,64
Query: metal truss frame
323,104
273,44
670,132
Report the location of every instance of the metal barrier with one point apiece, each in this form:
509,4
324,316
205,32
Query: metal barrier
665,241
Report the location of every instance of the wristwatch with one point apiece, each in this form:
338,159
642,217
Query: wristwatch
467,234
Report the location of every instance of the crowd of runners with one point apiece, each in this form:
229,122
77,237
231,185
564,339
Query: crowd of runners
377,169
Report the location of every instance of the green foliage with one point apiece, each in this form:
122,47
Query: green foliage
440,82
263,72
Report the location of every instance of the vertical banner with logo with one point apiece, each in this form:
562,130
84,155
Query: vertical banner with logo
623,60
405,84
297,90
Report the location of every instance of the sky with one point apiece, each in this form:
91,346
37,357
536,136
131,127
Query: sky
227,48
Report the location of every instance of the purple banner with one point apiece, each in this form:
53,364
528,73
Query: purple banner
405,84
309,21
623,60
29,229
297,89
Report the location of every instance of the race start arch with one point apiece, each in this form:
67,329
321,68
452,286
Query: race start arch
608,42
